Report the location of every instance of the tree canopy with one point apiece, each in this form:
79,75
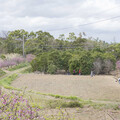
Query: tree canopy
63,53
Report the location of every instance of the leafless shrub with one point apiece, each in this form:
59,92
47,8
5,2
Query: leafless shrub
102,66
97,66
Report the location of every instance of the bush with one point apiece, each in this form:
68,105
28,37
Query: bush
74,64
55,58
64,104
103,63
40,63
98,66
2,57
83,62
99,62
14,107
72,104
52,69
66,56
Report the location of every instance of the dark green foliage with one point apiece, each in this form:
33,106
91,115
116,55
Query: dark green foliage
72,104
66,56
55,58
63,53
74,64
50,62
83,62
2,57
40,63
51,69
86,63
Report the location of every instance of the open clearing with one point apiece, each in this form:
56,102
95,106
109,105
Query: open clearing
86,87
96,88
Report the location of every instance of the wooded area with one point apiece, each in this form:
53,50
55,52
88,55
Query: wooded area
71,53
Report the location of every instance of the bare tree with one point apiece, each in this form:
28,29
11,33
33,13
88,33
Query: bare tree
98,64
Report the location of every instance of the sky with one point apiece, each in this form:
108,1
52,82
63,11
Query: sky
63,17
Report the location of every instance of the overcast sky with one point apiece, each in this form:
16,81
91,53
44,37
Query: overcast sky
62,17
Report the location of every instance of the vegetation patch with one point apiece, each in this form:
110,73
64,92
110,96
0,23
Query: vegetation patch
27,70
16,67
64,104
72,104
65,97
15,107
6,82
72,62
2,73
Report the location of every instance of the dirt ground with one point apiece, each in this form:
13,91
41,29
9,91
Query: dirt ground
86,114
86,87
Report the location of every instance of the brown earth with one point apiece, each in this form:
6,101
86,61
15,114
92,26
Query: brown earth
85,114
86,87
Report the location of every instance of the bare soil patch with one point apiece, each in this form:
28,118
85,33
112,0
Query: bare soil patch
86,87
86,113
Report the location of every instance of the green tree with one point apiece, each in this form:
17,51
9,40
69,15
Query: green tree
83,62
72,37
61,37
55,58
13,43
39,42
66,56
51,69
40,63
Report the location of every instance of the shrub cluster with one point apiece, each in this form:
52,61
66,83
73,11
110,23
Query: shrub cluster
69,61
14,107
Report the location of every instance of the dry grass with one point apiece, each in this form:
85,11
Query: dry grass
86,113
12,55
86,87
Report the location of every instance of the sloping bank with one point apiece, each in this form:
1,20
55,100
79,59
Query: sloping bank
6,82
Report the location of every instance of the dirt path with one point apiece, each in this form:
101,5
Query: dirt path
87,113
8,73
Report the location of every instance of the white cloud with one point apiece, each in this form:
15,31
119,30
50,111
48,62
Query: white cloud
57,14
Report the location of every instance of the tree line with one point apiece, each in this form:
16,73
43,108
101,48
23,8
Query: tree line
71,53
